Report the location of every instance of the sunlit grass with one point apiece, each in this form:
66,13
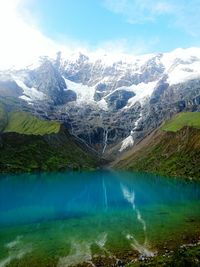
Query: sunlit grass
25,123
191,119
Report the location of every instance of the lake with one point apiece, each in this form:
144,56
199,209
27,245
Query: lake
94,218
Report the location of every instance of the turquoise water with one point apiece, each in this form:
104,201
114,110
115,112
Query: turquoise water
93,218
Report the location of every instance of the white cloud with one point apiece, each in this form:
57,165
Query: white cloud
121,46
180,13
139,11
21,41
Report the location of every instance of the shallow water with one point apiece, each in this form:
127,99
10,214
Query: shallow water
93,218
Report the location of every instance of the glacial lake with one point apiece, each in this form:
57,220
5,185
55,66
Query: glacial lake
94,218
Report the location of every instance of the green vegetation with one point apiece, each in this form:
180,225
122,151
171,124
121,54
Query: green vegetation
28,143
191,119
3,118
25,123
168,153
26,153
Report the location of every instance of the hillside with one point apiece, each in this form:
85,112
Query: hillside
28,143
172,150
190,119
25,123
3,118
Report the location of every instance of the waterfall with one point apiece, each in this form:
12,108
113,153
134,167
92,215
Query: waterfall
89,137
105,142
130,197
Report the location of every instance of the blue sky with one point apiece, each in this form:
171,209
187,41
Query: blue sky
30,28
142,26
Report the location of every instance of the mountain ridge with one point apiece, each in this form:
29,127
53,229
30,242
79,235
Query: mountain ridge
107,102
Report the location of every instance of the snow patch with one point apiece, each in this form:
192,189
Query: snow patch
184,73
107,60
102,104
30,94
180,56
142,91
85,94
128,142
136,123
182,65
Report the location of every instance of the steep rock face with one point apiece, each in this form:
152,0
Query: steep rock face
115,74
69,96
9,88
47,79
119,99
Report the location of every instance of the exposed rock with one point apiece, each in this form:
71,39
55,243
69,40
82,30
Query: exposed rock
119,99
48,80
69,96
10,88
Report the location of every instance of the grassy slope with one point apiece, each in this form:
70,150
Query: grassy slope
191,119
3,118
29,144
168,152
25,123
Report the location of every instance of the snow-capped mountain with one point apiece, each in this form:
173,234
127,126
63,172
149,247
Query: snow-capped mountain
109,102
